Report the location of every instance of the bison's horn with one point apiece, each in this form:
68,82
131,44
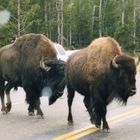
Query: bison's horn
43,66
136,60
114,64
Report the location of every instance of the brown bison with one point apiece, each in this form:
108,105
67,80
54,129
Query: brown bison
100,72
31,62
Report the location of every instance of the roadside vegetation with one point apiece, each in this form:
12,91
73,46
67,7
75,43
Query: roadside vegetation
74,23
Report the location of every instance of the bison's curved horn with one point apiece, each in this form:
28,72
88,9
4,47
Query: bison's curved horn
114,64
43,66
136,60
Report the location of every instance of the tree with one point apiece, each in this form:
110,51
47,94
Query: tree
74,23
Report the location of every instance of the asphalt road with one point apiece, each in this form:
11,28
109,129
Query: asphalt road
124,121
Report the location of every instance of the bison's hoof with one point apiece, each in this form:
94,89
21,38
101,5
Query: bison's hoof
105,126
92,121
31,114
106,129
40,117
98,126
70,122
4,111
8,107
39,113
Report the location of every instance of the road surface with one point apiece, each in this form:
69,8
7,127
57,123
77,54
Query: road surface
124,121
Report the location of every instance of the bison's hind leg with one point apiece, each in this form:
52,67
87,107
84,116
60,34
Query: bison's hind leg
89,109
8,106
8,87
70,100
2,86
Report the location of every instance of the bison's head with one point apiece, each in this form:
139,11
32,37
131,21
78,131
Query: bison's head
124,69
55,77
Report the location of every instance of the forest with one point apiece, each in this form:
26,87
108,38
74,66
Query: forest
74,23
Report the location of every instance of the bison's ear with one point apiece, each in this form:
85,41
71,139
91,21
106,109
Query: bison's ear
44,66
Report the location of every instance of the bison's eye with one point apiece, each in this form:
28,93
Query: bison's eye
133,78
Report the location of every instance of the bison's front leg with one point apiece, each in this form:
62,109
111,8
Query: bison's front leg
35,105
105,124
94,112
39,111
32,99
97,118
31,110
100,110
89,109
97,111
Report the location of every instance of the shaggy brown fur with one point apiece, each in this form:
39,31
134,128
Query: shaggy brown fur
96,57
37,45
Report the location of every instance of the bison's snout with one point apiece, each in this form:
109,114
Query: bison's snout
132,91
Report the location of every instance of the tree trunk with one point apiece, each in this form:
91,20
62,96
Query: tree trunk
58,20
46,15
61,23
18,14
123,7
100,19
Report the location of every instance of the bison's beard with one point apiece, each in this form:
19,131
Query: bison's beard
122,97
122,100
118,95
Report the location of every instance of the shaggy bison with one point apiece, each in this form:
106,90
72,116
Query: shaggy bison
100,72
31,62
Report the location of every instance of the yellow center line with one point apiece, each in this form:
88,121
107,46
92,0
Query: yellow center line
73,135
86,132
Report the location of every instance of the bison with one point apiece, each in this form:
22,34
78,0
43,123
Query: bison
31,62
100,72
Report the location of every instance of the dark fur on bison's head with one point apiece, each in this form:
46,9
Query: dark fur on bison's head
100,72
123,77
55,70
